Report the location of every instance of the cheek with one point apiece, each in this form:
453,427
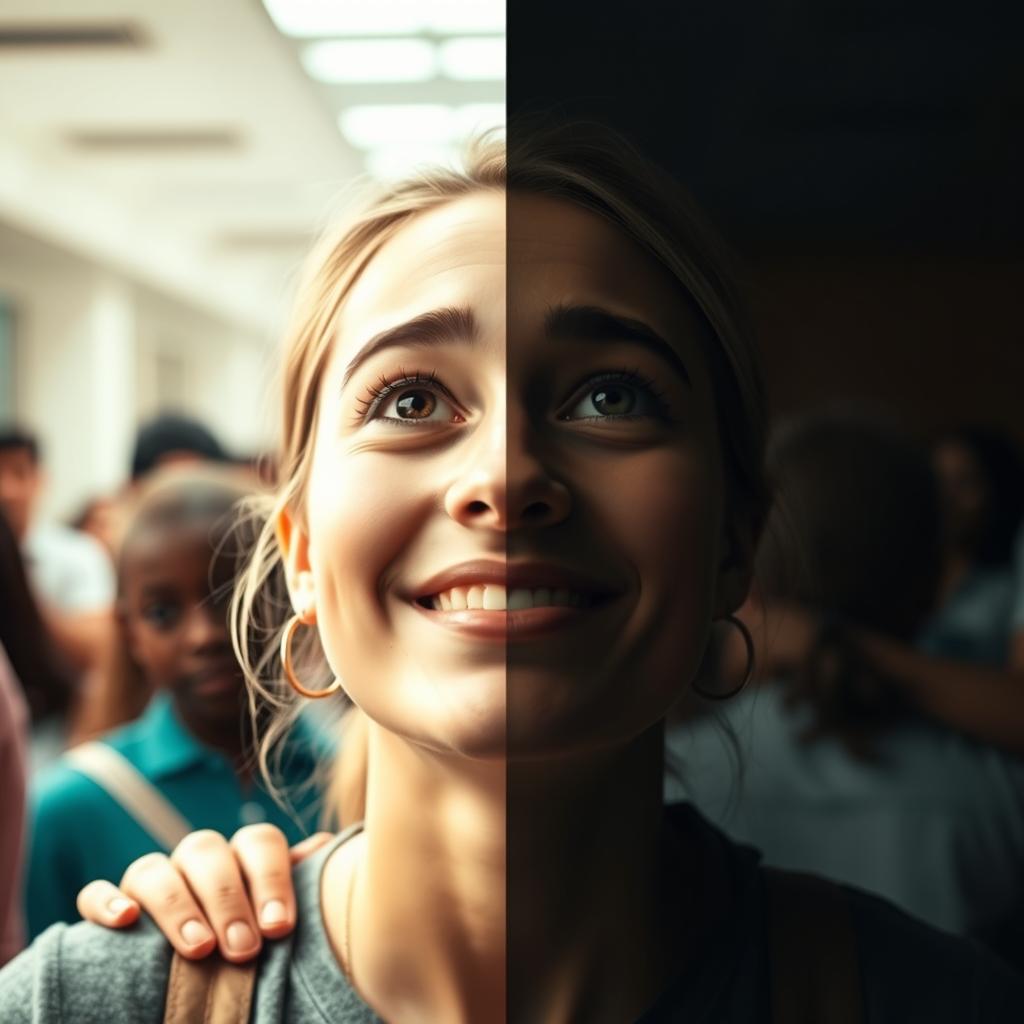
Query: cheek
668,516
361,518
156,652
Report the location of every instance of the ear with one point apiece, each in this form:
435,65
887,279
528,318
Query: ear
293,541
736,569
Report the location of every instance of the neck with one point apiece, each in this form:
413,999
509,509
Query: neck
519,892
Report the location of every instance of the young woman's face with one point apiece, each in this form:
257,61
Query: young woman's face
174,611
514,520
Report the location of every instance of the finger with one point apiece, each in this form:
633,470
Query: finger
157,886
263,856
215,878
105,904
300,851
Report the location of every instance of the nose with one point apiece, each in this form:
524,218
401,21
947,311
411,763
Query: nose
505,484
207,627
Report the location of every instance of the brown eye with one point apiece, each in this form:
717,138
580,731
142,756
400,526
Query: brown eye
415,405
613,400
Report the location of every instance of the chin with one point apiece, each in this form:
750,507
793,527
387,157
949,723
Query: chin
463,714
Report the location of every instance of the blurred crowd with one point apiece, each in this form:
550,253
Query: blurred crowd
878,740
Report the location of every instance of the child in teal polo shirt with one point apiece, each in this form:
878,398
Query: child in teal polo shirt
185,763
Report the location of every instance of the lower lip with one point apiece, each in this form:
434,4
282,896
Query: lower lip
508,627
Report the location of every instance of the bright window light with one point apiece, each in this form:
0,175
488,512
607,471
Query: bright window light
474,60
388,163
371,60
309,18
368,127
473,118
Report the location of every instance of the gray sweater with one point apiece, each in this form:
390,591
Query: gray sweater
84,974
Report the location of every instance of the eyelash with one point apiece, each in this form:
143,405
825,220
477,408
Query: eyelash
621,375
388,385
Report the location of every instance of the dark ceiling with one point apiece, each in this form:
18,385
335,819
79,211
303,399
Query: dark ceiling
882,124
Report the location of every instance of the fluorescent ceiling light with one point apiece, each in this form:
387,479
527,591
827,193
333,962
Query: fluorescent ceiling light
369,126
474,60
307,18
388,163
371,60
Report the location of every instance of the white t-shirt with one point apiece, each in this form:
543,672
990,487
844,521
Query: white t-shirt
935,824
68,569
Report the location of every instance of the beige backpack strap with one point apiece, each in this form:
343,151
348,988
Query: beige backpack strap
126,784
210,991
815,967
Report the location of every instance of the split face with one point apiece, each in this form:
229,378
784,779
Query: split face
514,541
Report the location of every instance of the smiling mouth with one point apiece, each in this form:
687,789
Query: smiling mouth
493,597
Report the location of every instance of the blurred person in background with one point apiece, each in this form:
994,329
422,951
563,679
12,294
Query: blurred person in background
841,775
100,518
965,667
174,664
70,572
44,675
13,775
981,478
173,438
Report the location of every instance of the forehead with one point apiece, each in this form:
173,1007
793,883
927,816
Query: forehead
529,253
444,257
557,246
179,550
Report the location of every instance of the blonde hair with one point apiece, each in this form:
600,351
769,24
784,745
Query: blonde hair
586,165
260,606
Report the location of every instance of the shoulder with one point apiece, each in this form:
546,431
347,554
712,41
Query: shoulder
912,971
88,975
60,792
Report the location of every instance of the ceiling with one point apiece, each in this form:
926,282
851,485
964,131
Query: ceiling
893,124
181,143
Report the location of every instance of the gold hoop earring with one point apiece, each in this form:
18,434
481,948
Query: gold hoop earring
748,641
289,671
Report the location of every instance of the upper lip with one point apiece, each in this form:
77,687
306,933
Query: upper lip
513,575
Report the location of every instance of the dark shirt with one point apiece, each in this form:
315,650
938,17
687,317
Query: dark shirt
912,973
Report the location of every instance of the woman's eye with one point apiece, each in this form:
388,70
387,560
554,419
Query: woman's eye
415,405
615,398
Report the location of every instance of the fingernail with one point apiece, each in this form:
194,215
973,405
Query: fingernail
240,937
273,913
118,905
194,933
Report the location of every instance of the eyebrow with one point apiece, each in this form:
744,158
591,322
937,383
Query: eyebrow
436,327
592,323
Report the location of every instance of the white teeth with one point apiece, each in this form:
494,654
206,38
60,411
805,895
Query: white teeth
495,598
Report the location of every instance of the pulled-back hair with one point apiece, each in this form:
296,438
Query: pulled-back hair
585,165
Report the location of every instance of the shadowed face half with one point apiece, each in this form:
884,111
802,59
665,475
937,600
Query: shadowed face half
513,539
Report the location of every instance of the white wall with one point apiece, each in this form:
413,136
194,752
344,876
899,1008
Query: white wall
96,353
